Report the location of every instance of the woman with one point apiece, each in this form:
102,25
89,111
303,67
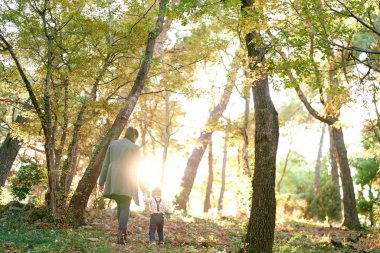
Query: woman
119,177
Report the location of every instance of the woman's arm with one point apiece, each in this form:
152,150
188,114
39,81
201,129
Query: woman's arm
146,198
104,171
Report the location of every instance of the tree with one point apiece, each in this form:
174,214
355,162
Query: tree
290,115
351,219
330,88
203,140
260,231
223,181
317,168
283,171
210,179
85,186
368,169
244,132
77,59
39,26
334,171
8,152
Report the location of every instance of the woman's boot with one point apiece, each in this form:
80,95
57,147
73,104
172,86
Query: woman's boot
125,234
120,237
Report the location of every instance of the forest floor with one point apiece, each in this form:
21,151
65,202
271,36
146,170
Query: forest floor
183,234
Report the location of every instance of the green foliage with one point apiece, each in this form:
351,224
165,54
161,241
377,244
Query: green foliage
4,196
371,137
100,203
367,173
325,204
367,169
296,176
364,206
38,201
30,174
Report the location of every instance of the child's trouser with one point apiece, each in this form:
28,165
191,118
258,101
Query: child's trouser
156,223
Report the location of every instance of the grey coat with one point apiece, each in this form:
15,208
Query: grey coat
119,172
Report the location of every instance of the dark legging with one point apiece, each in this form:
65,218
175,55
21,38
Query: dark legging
123,204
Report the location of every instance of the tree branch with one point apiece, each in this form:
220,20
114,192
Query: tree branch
351,14
23,77
351,48
303,98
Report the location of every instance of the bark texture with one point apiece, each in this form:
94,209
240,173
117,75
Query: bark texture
8,153
85,186
244,131
334,164
260,232
191,171
210,180
335,174
317,168
350,214
223,186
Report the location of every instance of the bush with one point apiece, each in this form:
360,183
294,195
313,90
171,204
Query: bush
100,203
326,204
29,175
367,177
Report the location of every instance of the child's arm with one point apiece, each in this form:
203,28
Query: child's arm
166,209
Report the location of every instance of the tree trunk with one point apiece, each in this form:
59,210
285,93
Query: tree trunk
334,174
260,232
64,128
69,167
85,186
195,158
372,201
317,169
223,186
334,164
283,171
191,170
238,158
44,114
167,131
207,203
53,173
167,134
247,168
350,214
8,153
143,138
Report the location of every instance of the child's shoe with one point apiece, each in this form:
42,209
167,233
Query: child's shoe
161,243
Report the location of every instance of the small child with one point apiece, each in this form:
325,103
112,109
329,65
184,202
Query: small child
157,208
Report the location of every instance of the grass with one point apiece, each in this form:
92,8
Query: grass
16,236
184,234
